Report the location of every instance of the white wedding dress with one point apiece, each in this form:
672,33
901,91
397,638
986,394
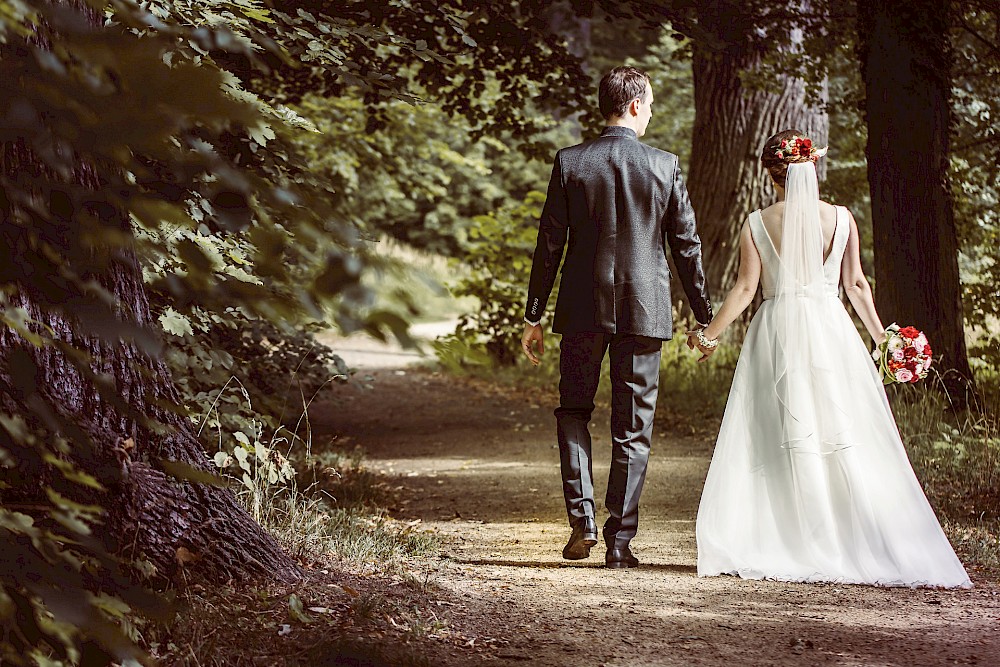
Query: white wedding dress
809,480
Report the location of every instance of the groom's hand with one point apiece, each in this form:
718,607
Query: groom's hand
692,343
533,334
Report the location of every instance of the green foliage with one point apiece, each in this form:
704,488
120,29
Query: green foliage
956,457
975,174
63,598
420,178
668,63
152,133
480,61
499,263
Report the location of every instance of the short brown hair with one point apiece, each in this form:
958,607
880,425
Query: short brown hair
778,166
619,87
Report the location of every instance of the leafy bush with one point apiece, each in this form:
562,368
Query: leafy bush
64,599
498,259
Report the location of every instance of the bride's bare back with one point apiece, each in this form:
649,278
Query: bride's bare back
772,218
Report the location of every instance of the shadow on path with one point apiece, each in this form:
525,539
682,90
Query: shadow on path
477,465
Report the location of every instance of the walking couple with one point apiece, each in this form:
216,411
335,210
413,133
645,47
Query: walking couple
809,480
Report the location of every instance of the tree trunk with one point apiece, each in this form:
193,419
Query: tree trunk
906,57
732,121
169,522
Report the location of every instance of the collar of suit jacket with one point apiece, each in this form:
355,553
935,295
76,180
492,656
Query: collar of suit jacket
619,131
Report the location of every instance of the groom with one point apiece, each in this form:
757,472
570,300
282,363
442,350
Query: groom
621,205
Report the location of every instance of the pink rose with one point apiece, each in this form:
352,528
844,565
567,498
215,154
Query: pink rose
904,375
927,363
898,355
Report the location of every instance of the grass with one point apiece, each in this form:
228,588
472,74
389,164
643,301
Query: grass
956,456
340,514
360,603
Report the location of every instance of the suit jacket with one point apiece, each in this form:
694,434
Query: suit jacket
619,205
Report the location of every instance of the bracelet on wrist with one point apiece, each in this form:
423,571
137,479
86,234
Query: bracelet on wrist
705,342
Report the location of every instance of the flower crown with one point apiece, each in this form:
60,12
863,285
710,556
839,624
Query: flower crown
798,149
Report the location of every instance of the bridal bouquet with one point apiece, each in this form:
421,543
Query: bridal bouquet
904,356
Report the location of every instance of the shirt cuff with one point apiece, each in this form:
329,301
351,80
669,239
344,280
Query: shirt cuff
534,324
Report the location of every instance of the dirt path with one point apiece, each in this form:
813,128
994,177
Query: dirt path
477,464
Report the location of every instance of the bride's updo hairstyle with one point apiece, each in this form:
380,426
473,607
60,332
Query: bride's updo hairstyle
785,148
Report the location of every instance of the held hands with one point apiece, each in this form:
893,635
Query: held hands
533,334
696,339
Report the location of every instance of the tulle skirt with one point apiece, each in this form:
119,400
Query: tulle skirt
809,480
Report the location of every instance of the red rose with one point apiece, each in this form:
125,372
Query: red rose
927,350
784,142
909,332
910,352
914,378
911,366
807,144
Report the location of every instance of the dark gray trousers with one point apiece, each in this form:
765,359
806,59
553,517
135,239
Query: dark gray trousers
635,375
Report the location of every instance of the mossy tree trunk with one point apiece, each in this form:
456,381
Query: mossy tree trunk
98,388
732,121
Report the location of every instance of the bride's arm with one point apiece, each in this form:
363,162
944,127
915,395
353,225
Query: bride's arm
743,291
859,292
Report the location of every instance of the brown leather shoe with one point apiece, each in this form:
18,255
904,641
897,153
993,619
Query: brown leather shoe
584,536
620,558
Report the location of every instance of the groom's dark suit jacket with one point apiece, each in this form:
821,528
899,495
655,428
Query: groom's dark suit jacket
622,205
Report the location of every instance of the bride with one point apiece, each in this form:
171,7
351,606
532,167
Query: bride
810,480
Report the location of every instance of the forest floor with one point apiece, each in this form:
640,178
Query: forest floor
475,463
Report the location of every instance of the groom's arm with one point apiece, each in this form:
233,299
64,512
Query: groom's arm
552,230
681,236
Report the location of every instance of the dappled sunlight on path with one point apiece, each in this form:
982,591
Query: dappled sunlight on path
477,465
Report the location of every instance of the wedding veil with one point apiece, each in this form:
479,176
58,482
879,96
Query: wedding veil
799,290
800,272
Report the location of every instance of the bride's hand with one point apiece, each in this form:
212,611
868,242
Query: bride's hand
692,343
706,352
